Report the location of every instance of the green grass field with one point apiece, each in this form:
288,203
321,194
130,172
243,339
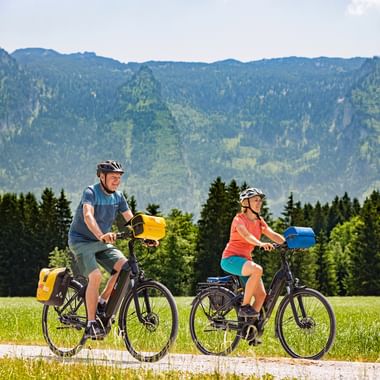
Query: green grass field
357,337
18,369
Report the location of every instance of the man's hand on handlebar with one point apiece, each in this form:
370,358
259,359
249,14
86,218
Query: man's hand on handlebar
151,243
109,237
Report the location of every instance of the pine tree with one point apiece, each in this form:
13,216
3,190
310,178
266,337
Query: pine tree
302,262
175,255
364,276
318,222
213,233
340,247
334,215
132,203
232,204
297,218
48,226
308,215
287,214
11,259
356,207
325,267
345,207
153,209
32,243
64,217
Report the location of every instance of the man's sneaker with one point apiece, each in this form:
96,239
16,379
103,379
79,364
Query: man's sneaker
94,331
101,308
246,311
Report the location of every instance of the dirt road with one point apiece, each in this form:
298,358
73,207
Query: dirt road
280,368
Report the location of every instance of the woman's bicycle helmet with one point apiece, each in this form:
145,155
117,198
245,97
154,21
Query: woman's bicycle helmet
109,167
251,192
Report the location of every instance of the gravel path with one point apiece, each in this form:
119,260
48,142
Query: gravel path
278,367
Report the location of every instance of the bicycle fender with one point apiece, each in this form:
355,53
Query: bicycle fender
206,290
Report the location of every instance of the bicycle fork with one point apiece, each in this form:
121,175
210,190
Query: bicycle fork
300,305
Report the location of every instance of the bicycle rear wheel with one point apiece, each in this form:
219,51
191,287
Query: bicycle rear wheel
148,320
63,326
214,323
314,333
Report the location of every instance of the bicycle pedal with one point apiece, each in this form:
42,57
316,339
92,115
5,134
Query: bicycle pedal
255,342
97,338
92,337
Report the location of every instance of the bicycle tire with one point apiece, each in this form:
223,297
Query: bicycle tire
149,340
315,338
64,326
214,325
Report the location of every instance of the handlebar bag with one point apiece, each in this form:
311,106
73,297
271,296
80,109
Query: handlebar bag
148,227
52,286
299,237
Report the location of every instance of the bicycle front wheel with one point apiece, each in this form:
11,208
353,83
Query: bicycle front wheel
308,330
63,326
214,325
149,321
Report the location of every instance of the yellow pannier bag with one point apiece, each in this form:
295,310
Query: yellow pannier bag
52,286
148,227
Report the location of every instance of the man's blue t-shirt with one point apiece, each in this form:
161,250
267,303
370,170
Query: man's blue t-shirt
106,208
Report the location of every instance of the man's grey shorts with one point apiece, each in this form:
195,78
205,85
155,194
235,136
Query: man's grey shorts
89,254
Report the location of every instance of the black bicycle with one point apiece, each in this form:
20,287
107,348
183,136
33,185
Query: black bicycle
305,321
148,316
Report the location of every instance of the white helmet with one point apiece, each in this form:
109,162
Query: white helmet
251,192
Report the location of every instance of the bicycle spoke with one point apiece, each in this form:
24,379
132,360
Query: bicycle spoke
63,327
313,335
210,324
149,335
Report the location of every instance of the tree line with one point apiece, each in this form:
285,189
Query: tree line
344,261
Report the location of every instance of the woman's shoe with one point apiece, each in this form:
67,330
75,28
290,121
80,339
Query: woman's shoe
246,311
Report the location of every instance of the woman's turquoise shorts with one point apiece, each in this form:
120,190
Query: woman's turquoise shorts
234,265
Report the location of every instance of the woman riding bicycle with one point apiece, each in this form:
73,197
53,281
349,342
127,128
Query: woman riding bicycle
246,230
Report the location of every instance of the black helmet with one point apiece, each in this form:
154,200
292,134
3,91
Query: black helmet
109,167
251,192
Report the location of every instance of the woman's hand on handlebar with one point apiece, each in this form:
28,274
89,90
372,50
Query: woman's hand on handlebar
267,246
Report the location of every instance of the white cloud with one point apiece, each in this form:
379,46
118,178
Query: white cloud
360,7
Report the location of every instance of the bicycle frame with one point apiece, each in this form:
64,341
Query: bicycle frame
282,278
304,322
126,280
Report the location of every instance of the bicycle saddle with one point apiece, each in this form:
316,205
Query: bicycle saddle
219,279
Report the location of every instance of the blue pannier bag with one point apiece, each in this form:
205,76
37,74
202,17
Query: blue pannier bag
299,237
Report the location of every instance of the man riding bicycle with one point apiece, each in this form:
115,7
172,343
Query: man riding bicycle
91,239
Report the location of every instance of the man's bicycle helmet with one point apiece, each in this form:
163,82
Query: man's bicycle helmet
251,192
109,167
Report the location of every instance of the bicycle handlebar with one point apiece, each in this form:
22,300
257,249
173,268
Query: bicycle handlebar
124,235
129,235
281,246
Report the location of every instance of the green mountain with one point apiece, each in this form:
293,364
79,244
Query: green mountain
310,126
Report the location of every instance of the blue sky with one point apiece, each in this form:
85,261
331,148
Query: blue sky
194,30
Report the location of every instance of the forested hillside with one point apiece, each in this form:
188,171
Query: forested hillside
306,126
